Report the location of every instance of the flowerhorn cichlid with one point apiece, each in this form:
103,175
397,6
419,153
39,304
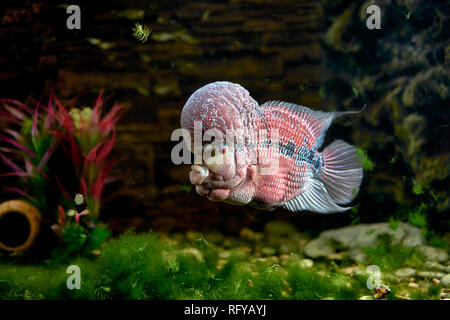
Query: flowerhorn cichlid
267,155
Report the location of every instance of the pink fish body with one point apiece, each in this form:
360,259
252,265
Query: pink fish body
268,155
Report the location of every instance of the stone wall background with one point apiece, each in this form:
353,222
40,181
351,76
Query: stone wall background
270,47
401,72
317,54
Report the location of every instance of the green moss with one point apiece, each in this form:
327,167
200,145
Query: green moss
145,266
438,241
390,257
393,223
417,188
367,164
418,216
433,292
354,216
310,285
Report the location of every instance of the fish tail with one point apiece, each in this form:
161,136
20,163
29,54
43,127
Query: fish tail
342,172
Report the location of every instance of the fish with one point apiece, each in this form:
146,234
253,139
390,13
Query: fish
267,156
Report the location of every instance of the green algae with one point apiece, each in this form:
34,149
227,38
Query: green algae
367,164
151,266
148,267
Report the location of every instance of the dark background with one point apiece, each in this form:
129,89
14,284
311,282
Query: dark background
318,54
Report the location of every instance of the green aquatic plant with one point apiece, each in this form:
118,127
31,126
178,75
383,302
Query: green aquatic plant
141,32
417,188
146,267
354,215
27,137
391,257
186,188
432,293
48,138
309,285
367,164
393,223
418,216
76,236
90,139
85,138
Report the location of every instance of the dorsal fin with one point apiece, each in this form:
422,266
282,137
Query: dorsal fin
318,121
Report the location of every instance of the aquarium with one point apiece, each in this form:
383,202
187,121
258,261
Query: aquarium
238,153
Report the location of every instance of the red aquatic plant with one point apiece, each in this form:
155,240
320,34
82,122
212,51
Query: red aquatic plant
89,139
84,135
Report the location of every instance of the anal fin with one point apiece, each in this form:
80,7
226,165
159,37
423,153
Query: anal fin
315,198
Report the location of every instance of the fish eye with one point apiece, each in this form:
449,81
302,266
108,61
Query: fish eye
222,149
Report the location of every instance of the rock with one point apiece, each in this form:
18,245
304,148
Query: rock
193,252
366,298
445,280
296,262
405,272
337,256
221,263
435,281
267,251
243,250
389,277
273,260
318,248
298,237
288,247
251,235
284,258
228,243
433,253
357,255
306,263
226,254
352,270
430,274
445,296
360,236
433,265
214,237
192,235
280,228
413,285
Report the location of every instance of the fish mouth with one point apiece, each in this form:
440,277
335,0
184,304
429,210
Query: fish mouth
213,194
198,174
210,186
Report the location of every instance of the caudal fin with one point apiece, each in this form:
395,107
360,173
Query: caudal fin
342,173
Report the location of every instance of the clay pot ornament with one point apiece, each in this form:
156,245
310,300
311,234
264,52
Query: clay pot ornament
19,225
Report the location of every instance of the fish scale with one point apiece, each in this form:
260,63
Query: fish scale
291,177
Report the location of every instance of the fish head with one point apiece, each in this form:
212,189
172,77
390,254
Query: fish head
221,164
